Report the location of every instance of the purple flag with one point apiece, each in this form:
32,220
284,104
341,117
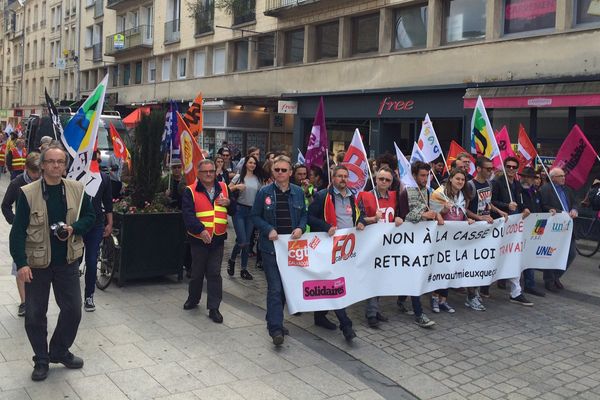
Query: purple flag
318,143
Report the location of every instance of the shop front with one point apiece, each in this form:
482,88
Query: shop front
382,117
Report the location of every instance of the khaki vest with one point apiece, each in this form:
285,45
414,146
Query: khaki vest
37,243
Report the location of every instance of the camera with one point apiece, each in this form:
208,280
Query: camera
59,230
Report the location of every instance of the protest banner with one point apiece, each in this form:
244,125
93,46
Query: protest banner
320,272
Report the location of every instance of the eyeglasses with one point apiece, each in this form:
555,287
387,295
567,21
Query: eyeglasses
512,166
281,170
57,162
382,179
208,171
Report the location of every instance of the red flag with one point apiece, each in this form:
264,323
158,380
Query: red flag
455,150
191,154
193,116
119,149
356,162
576,157
527,151
506,150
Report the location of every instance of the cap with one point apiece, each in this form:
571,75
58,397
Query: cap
175,161
528,172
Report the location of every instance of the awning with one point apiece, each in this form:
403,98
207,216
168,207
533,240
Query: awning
580,94
134,118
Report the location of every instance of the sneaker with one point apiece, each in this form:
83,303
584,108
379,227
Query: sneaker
402,308
447,307
21,311
89,305
435,304
522,300
475,304
230,267
244,274
424,322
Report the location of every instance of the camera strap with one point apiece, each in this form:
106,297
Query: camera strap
46,195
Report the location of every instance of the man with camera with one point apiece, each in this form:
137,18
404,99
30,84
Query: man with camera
46,245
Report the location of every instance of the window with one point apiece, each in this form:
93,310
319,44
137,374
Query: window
511,118
115,75
89,36
126,74
43,50
241,55
588,12
464,20
365,34
244,11
152,70
266,51
138,73
166,68
219,61
205,17
181,67
34,55
199,63
327,40
294,46
410,27
528,15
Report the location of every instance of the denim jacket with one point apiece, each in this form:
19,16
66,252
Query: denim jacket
264,213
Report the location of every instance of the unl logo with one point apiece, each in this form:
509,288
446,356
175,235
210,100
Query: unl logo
343,247
545,251
298,253
539,228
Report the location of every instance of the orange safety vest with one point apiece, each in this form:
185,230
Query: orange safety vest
3,155
214,218
18,161
329,211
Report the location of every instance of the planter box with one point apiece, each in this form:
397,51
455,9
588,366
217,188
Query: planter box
150,245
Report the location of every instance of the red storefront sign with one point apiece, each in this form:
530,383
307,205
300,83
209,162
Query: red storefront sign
576,100
389,104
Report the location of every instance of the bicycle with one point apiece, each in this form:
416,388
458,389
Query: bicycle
106,262
587,235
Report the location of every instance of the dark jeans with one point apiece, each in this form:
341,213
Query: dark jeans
551,274
116,187
244,228
275,294
529,278
92,241
206,262
416,304
340,314
65,284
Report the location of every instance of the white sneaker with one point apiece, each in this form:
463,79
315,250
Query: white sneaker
89,305
435,304
475,304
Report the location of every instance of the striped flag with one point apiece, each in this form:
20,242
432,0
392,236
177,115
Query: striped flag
527,151
404,170
483,141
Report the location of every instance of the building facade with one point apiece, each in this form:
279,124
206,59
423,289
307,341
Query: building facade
379,64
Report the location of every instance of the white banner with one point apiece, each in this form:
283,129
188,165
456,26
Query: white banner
327,273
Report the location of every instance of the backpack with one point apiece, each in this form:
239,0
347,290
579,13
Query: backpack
594,197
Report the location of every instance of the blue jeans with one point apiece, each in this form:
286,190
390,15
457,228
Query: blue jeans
275,294
242,223
529,278
416,304
92,241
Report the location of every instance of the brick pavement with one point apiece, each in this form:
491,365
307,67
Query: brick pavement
140,344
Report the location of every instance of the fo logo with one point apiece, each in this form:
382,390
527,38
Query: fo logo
545,251
298,253
343,247
538,229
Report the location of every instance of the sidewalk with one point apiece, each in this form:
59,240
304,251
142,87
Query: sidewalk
140,344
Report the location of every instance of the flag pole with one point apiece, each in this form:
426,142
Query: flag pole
552,183
504,173
327,166
372,182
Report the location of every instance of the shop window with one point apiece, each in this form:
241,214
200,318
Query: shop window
511,118
528,15
241,55
365,34
588,120
587,12
294,46
464,20
266,51
410,24
327,40
552,128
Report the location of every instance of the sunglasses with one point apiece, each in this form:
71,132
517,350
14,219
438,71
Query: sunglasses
282,170
512,166
382,179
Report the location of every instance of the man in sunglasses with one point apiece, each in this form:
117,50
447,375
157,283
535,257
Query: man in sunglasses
278,208
378,205
507,195
335,208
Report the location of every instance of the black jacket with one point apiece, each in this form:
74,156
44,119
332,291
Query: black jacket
531,199
551,200
316,211
501,195
11,196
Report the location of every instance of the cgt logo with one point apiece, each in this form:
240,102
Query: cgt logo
298,253
545,251
538,229
324,289
343,247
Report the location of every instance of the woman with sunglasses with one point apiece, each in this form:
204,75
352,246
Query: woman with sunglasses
451,201
246,185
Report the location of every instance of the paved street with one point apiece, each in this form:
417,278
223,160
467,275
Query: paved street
140,344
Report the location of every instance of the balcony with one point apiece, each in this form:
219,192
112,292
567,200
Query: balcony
205,20
244,12
18,34
99,8
97,52
172,32
120,4
140,37
275,7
